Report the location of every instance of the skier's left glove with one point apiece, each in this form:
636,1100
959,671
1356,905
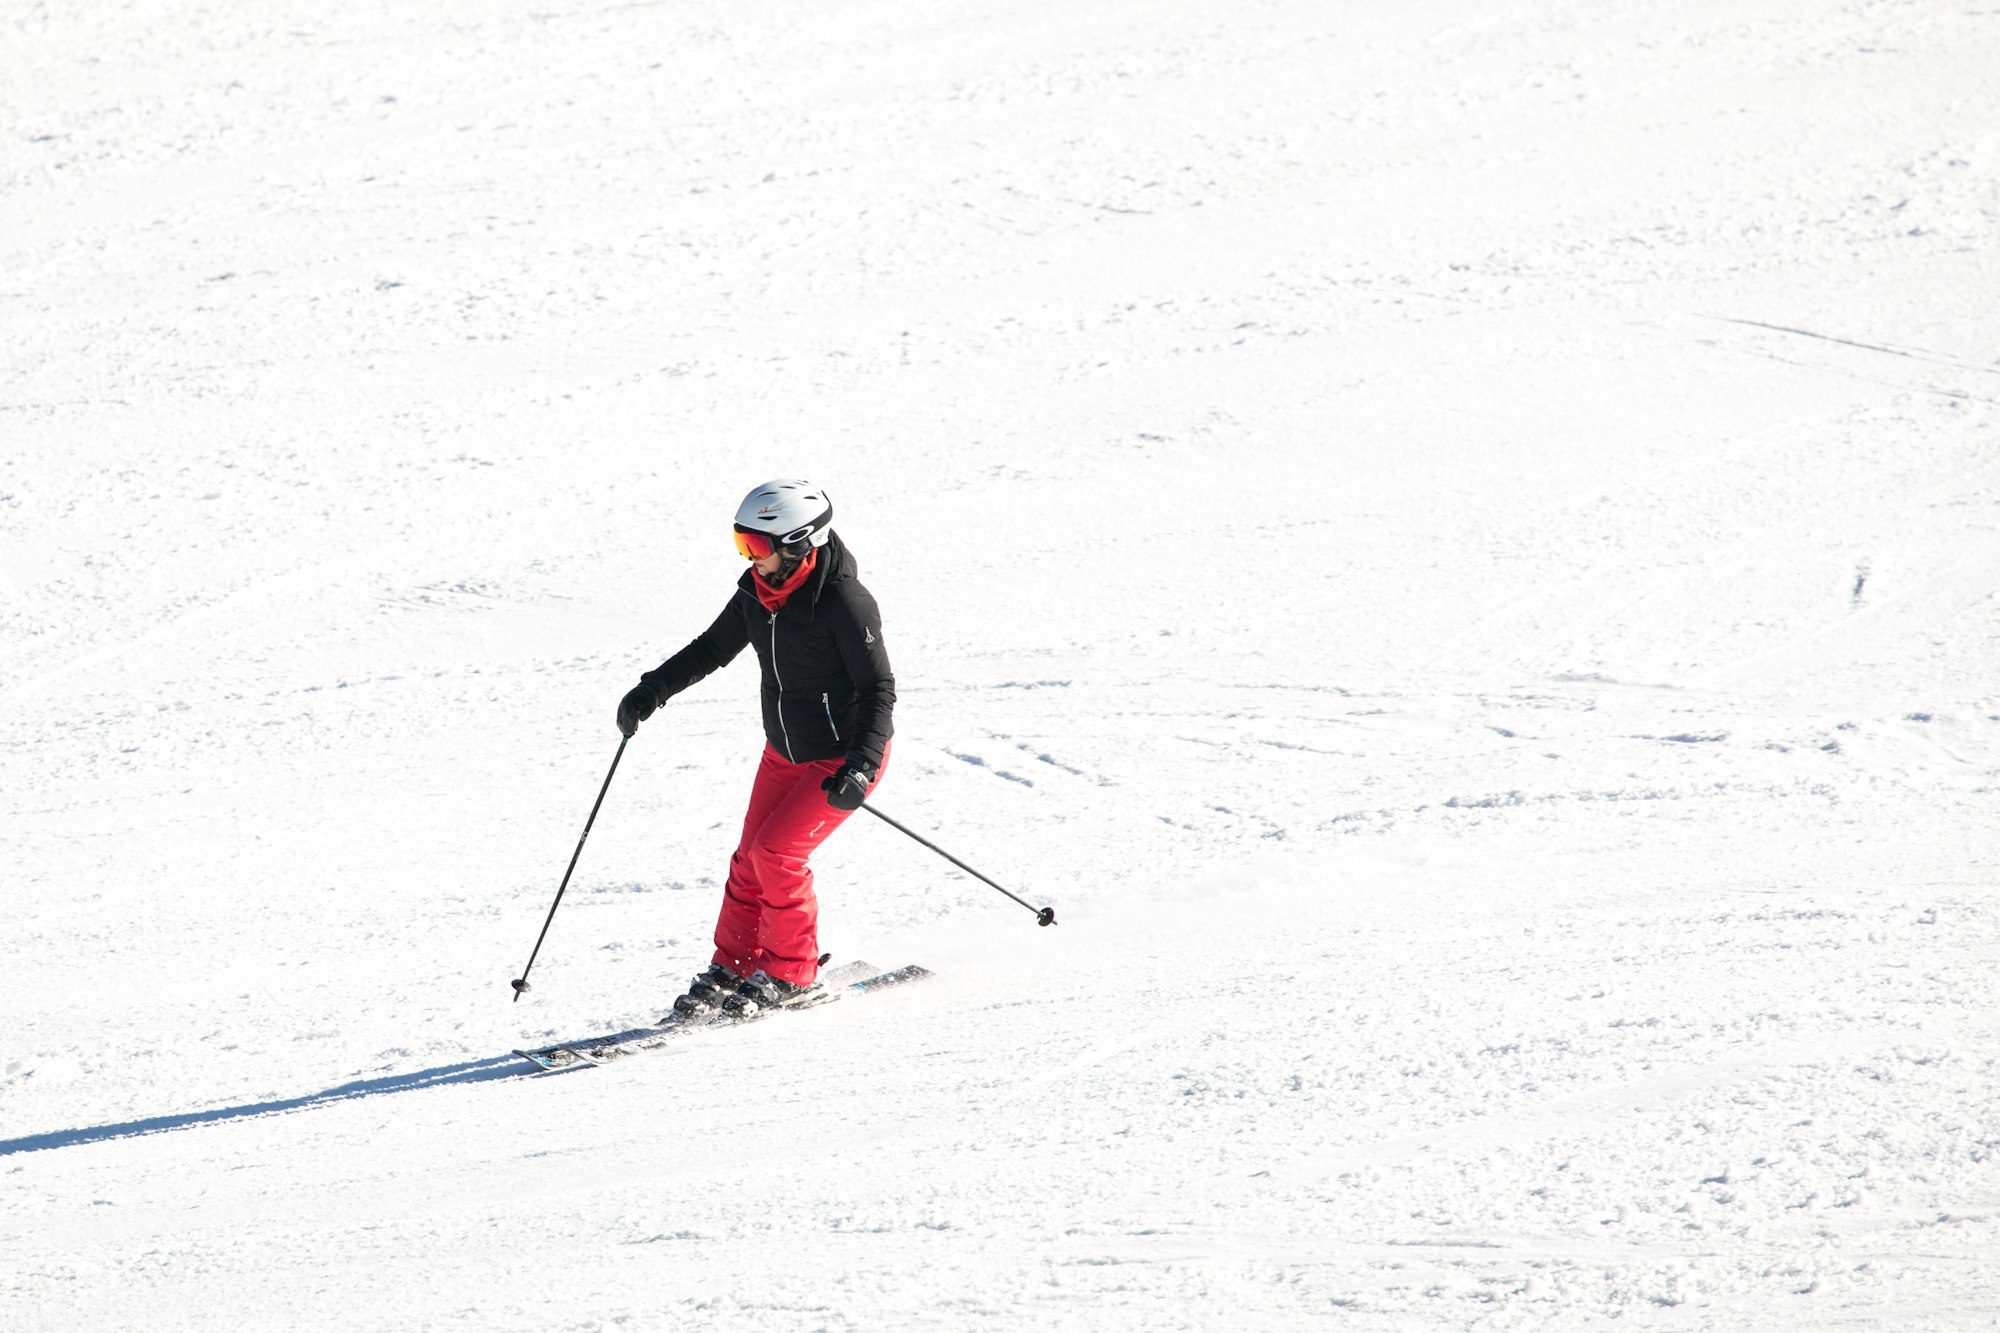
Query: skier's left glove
847,788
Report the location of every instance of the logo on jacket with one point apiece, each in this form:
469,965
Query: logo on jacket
867,634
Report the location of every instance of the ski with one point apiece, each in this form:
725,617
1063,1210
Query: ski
883,980
854,978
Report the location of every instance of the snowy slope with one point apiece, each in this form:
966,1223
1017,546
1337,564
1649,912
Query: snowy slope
1456,544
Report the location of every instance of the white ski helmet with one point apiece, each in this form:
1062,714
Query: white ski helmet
787,514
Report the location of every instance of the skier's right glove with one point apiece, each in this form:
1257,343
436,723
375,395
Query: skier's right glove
638,704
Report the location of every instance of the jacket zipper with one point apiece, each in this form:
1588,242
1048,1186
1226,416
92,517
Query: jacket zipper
833,726
783,730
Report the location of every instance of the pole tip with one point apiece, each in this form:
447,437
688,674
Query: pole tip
1046,917
520,986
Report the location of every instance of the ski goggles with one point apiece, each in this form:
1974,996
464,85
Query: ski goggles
753,545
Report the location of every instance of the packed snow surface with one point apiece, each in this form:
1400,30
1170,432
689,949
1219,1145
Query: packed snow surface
1454,543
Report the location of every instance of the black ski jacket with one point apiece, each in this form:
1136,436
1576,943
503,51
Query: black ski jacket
828,691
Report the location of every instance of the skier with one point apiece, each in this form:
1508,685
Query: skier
828,694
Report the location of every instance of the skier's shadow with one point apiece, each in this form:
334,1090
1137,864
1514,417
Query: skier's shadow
469,1071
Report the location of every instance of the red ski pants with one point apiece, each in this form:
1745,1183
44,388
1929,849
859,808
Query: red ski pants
770,919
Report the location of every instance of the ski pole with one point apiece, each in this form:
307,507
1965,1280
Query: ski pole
521,982
1043,915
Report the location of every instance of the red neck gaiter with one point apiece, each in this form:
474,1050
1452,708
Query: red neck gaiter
773,598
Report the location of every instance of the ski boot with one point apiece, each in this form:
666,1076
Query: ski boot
705,995
761,992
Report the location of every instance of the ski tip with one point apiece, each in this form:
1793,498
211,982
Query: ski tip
546,1061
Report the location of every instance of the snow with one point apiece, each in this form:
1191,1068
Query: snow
1456,545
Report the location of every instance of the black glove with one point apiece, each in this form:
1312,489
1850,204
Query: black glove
846,789
638,704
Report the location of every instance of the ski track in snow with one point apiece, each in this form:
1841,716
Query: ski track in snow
1455,546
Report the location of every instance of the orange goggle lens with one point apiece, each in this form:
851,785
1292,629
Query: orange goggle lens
753,545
